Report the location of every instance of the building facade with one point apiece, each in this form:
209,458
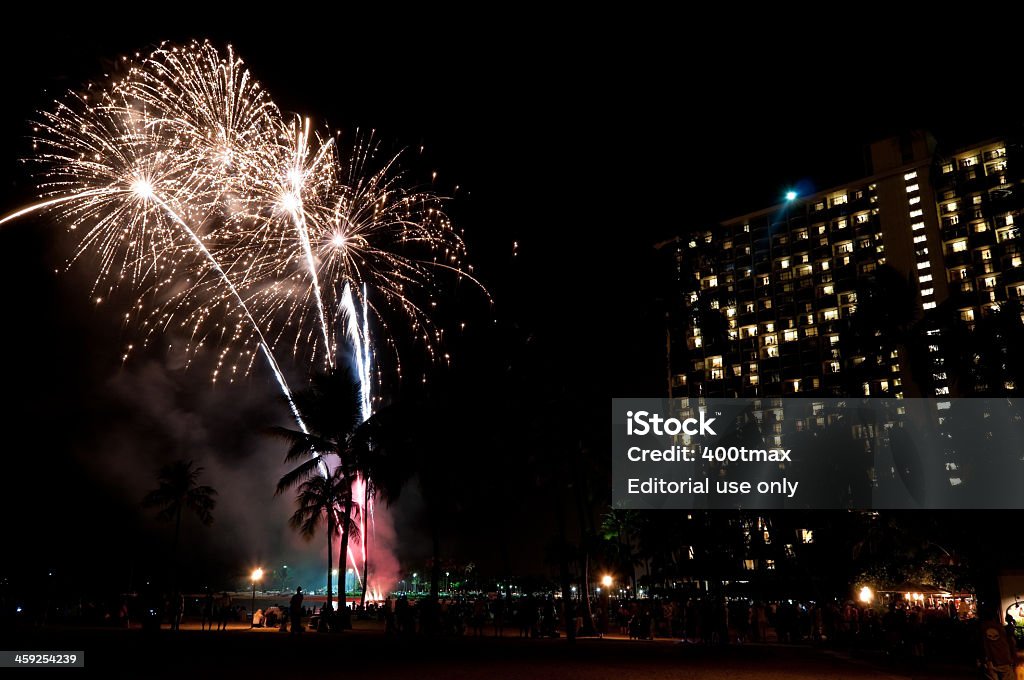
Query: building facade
859,290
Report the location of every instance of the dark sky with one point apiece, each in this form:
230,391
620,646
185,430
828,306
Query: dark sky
584,140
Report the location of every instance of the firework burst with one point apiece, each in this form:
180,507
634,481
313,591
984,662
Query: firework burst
242,229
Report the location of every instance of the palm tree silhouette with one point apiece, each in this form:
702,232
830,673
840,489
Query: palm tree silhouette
318,499
179,490
330,409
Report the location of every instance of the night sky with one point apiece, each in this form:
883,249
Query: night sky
584,140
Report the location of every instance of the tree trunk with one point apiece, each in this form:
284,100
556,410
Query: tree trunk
330,556
175,607
366,546
563,567
435,568
588,612
346,516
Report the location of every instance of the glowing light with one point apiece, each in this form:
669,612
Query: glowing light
866,596
607,581
791,195
257,574
290,202
143,189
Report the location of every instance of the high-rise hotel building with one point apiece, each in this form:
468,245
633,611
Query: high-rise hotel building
766,301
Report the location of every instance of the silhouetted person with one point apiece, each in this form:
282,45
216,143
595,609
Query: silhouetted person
224,611
295,609
999,651
207,619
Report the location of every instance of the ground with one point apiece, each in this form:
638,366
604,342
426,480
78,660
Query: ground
365,652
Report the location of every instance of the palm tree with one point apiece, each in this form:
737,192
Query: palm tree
179,490
318,499
330,409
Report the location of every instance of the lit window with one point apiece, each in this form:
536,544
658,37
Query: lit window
920,238
769,327
861,218
923,265
765,280
929,305
834,366
730,312
947,168
924,278
986,254
830,314
910,175
841,224
1015,261
925,292
773,351
789,335
976,200
717,374
833,339
951,207
827,290
958,246
916,213
1009,220
968,162
807,535
771,340
912,188
784,264
825,265
990,281
810,331
967,315
917,225
839,199
845,247
914,200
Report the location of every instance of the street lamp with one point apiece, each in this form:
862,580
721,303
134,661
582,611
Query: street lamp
607,581
791,195
257,574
